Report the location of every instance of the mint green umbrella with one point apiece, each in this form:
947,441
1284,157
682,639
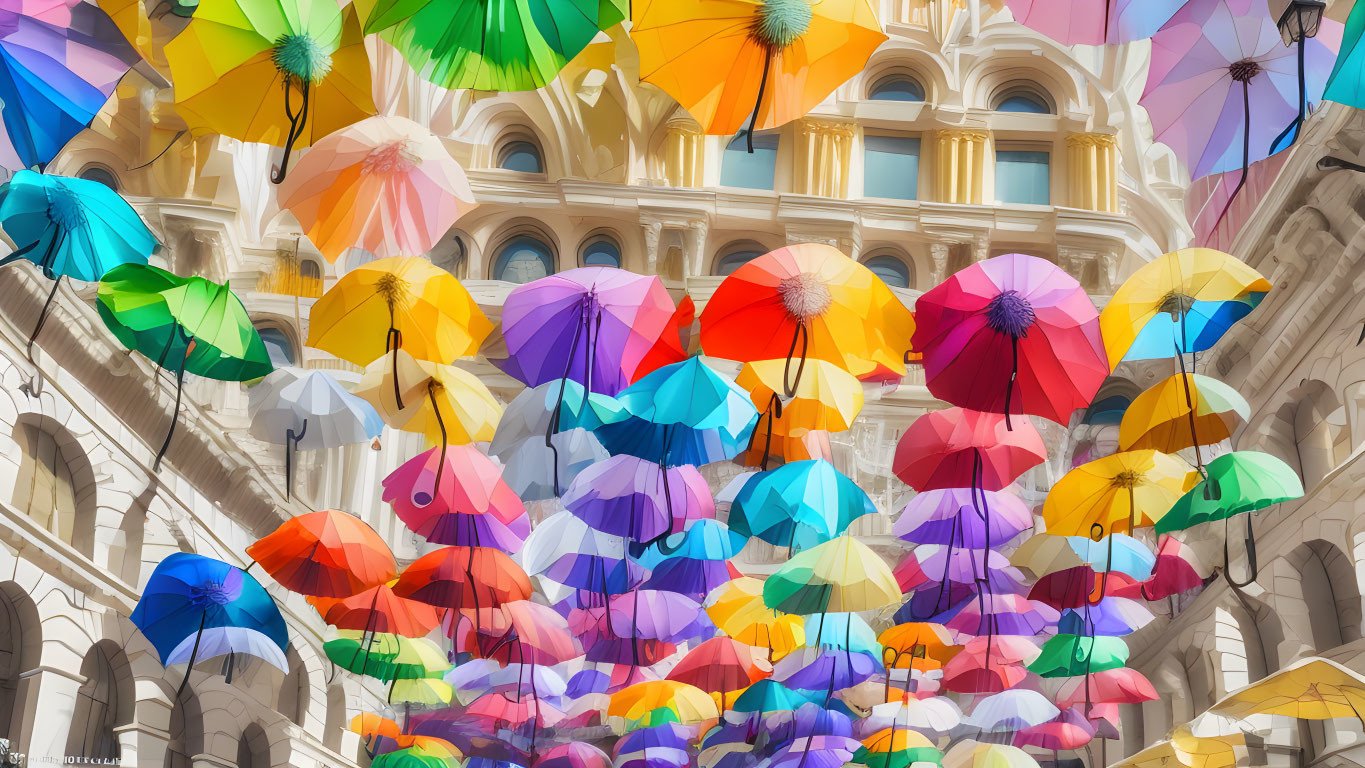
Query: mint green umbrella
184,324
1075,655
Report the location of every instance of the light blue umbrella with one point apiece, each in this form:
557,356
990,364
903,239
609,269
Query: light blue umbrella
799,504
842,631
1117,552
703,540
73,228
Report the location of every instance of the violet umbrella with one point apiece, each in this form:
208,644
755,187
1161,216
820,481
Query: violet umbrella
1093,22
639,499
948,515
655,615
1226,55
1012,335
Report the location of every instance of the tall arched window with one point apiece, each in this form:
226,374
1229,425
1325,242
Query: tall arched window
522,259
102,705
253,748
278,345
46,488
601,251
20,643
737,256
891,269
100,174
896,87
750,170
522,156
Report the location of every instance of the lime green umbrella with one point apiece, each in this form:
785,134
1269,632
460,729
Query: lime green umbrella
410,757
373,659
1075,655
1237,482
493,45
184,324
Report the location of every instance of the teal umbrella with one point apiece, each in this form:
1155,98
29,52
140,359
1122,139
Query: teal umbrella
842,631
1346,85
799,504
72,228
768,696
1237,482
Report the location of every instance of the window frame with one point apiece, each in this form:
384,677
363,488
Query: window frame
549,257
919,150
1019,148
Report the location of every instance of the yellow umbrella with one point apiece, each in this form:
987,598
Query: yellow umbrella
737,609
643,701
1116,494
827,397
775,60
1183,411
281,72
1183,301
974,754
449,405
842,575
1162,754
427,312
1208,751
1310,689
423,691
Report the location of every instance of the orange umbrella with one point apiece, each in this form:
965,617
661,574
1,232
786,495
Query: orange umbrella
916,645
721,665
464,577
378,609
325,554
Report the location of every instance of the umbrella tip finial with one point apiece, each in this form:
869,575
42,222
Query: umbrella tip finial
780,22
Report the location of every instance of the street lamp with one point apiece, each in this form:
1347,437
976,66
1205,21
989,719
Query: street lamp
1297,19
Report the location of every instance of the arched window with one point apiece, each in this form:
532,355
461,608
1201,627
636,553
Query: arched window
896,87
46,488
522,156
750,170
253,748
891,269
736,257
20,643
100,174
601,251
1026,99
309,269
102,705
278,345
522,259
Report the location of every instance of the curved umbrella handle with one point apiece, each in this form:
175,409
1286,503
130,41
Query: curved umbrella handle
1252,565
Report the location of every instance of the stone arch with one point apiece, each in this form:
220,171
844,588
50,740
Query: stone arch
56,481
733,247
881,256
991,77
899,59
1328,592
21,640
185,734
509,232
104,703
1321,438
253,748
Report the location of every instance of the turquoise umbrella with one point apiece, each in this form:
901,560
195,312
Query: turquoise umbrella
768,696
1116,552
842,631
799,504
1346,85
72,228
703,540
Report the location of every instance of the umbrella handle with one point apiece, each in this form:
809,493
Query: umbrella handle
758,102
774,413
1252,565
1009,388
42,316
291,443
801,334
175,415
553,425
1189,399
1246,153
194,652
392,342
296,125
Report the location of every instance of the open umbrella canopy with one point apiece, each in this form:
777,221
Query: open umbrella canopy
1116,493
798,505
725,60
464,577
720,665
1072,655
948,515
384,184
1310,689
1093,22
737,609
1012,334
827,398
326,554
1182,411
659,701
896,748
958,448
628,496
378,609
1121,685
462,501
450,405
309,411
1012,710
972,754
1237,482
842,575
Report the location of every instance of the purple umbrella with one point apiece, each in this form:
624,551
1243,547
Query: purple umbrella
961,565
1226,56
805,721
688,576
657,615
815,752
626,496
1111,617
948,516
574,754
666,736
1093,22
593,325
653,758
1003,614
815,669
587,681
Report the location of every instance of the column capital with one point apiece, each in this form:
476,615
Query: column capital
1091,140
963,134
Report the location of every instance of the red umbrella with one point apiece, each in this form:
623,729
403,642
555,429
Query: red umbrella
521,631
722,665
958,448
1122,685
325,554
378,609
989,664
1080,586
464,577
909,574
1069,730
1012,334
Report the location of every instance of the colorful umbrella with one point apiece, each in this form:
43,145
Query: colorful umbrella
72,228
661,701
798,505
737,609
1012,334
896,748
842,575
1066,655
188,594
1121,685
948,515
806,302
378,609
958,448
1093,22
1116,494
827,398
721,665
464,577
497,46
574,754
326,554
384,184
642,500
287,402
720,58
59,70
1183,411
461,500
1069,730
972,754
1012,710
1309,689
281,72
1344,86
185,324
450,405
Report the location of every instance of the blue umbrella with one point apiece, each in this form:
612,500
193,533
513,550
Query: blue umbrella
189,595
799,504
72,228
842,631
1117,552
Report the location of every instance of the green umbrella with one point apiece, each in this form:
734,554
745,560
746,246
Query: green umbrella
185,324
493,45
1075,655
410,757
1241,481
898,759
373,659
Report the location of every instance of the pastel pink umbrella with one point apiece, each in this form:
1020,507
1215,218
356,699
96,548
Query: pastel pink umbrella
385,184
961,448
1069,730
989,664
574,754
496,708
1013,335
1093,22
1122,685
442,502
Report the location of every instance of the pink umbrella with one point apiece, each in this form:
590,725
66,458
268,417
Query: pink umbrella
1093,22
1122,685
632,497
1177,570
384,184
520,631
496,708
959,448
1069,730
1012,334
574,754
1210,196
989,664
444,508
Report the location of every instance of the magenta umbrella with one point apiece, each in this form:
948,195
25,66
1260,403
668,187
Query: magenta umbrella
1012,334
1227,57
574,754
639,499
1093,22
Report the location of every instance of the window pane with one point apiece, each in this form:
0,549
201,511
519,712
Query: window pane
277,346
896,88
1023,103
891,270
523,260
890,167
1021,177
730,262
738,168
602,253
521,156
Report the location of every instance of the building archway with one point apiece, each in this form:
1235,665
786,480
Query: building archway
253,748
104,703
21,642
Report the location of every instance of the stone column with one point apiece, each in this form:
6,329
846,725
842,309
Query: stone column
684,154
48,696
959,166
653,228
141,745
822,156
938,252
1092,172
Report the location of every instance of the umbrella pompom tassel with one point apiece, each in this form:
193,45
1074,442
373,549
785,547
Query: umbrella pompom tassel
805,296
1010,314
780,22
